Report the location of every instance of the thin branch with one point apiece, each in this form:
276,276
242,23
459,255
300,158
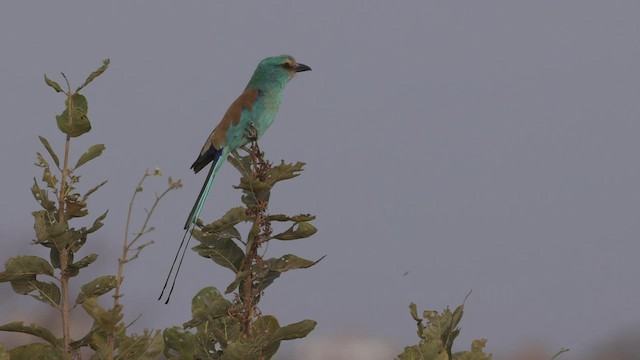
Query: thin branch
562,350
127,246
121,260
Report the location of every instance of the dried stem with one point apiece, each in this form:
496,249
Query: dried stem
127,246
563,350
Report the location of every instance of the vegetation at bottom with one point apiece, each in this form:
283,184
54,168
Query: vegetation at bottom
437,337
225,325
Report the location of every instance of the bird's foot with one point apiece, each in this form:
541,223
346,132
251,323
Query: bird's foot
252,132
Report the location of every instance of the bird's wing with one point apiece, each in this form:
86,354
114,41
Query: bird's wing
212,148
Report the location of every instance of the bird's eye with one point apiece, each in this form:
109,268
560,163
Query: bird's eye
287,65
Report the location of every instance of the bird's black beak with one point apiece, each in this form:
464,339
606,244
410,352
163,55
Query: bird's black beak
302,67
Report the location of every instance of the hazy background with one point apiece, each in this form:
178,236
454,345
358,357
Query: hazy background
485,145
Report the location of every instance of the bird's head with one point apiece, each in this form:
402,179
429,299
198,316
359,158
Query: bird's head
276,71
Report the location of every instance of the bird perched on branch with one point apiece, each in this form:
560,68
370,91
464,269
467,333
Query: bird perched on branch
255,109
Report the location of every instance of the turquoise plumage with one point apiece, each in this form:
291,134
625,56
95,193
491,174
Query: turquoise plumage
257,105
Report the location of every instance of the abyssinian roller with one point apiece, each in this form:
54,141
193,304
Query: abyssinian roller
256,107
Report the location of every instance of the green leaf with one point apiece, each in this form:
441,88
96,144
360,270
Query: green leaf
252,197
206,349
54,255
93,152
92,190
48,177
298,230
48,293
40,226
59,235
99,286
265,326
207,305
443,326
79,101
241,163
57,229
278,217
147,346
271,270
223,252
232,217
95,74
52,83
290,262
97,224
241,351
4,354
33,329
37,351
263,329
293,331
42,197
297,218
252,184
25,266
210,237
240,276
178,344
74,269
75,126
86,340
424,351
47,146
70,239
413,309
283,172
76,123
21,271
476,353
106,320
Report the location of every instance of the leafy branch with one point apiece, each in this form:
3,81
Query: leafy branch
238,329
107,336
437,337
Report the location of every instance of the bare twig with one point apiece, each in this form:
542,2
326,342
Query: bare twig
127,245
563,350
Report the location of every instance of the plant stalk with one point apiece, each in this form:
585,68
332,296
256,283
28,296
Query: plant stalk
259,169
64,254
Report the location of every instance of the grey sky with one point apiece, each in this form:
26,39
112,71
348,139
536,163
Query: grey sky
485,145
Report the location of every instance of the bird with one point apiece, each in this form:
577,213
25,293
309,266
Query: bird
255,108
